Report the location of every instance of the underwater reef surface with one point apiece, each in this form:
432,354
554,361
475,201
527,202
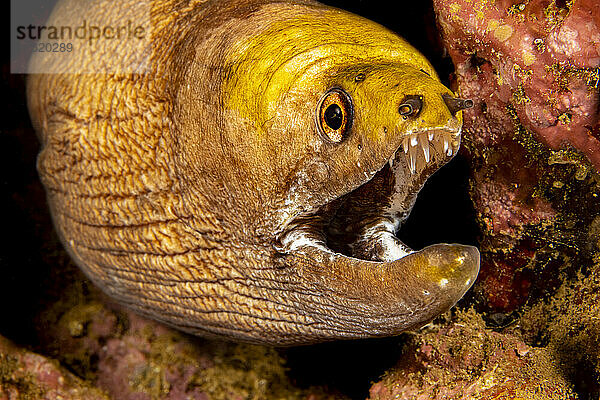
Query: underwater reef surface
465,360
530,328
532,137
532,325
26,375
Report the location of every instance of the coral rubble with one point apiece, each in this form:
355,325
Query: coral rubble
465,360
28,376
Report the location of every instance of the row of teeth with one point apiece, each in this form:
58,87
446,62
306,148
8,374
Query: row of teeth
442,142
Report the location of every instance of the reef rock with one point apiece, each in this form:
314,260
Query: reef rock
132,358
532,137
464,360
539,57
568,326
26,375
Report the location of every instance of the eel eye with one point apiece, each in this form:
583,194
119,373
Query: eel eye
411,106
335,115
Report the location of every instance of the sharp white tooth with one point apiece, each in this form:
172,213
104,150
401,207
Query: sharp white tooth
413,140
445,145
425,146
405,145
412,160
430,136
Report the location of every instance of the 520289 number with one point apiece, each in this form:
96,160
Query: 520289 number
53,47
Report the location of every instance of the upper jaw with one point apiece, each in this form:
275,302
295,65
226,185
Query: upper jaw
430,146
428,149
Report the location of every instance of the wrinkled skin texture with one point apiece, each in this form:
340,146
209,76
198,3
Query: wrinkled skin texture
183,190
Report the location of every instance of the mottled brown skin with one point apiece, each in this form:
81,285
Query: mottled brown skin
172,192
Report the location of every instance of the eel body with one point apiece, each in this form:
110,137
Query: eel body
241,170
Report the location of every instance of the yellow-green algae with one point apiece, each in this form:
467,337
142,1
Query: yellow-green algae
150,378
471,357
15,378
568,323
223,370
25,385
578,180
250,372
235,371
555,13
565,321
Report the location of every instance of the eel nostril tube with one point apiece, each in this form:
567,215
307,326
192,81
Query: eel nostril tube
455,104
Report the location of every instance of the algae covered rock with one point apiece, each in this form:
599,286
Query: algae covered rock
130,357
465,360
532,137
28,376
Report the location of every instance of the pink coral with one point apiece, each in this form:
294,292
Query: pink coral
539,56
510,214
533,136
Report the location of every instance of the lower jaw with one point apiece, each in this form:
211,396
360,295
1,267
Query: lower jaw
343,297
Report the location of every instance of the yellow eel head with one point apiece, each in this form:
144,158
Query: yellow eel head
331,124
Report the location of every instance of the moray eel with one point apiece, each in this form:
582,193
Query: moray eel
245,177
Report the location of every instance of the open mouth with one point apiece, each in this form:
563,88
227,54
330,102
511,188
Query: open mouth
368,282
363,224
